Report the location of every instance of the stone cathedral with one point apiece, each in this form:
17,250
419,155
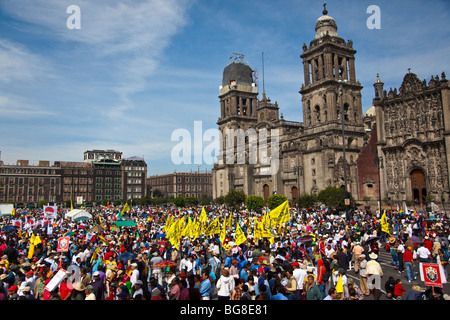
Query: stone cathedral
408,131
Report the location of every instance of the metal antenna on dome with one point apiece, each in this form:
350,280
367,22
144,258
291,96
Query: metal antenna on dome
325,12
264,87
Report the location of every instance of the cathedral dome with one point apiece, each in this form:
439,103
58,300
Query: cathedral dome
370,112
238,72
326,25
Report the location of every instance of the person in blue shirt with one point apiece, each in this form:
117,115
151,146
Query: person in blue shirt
280,293
228,260
205,286
243,274
261,281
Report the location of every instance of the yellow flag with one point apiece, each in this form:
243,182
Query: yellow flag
264,220
31,250
37,240
71,204
239,236
101,223
257,229
103,240
168,224
126,208
187,229
213,228
223,233
279,214
339,285
230,220
203,216
384,223
94,255
263,232
175,233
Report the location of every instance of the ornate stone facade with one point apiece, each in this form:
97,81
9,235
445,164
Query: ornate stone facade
413,126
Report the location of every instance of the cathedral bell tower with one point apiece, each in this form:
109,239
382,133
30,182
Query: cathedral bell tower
238,96
330,92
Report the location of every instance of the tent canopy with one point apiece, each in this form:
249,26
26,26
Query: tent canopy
6,209
125,223
78,214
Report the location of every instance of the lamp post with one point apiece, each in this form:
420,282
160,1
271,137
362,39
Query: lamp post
379,164
343,134
299,171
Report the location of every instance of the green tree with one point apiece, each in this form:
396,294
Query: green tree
42,203
205,200
191,201
235,198
219,200
275,200
334,198
179,202
307,200
157,193
254,203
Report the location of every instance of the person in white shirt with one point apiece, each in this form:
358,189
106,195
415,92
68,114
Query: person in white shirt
183,263
423,253
400,251
299,275
138,290
134,274
329,250
190,266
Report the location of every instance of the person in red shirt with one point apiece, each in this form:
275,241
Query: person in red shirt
320,273
409,263
322,248
428,244
108,254
398,290
65,291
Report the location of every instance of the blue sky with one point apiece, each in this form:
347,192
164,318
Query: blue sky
138,70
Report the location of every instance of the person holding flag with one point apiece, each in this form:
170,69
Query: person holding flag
125,209
384,227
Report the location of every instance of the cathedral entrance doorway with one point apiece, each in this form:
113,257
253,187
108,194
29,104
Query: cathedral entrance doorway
418,186
266,192
294,193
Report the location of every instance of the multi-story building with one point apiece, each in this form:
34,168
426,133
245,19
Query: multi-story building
181,184
134,174
106,178
26,184
77,180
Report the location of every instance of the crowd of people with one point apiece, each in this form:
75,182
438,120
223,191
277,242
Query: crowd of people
307,259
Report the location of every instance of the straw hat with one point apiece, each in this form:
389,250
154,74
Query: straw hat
79,286
373,256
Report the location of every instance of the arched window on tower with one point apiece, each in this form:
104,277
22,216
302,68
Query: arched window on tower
317,113
346,109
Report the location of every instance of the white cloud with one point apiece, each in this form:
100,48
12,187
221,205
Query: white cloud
18,64
12,107
130,35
